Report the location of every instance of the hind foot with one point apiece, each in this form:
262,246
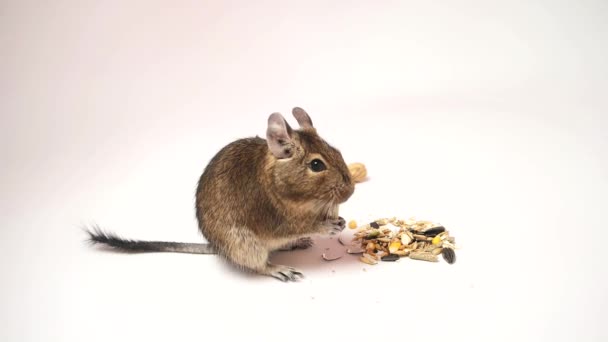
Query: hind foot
283,273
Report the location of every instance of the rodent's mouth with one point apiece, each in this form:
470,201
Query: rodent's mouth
341,193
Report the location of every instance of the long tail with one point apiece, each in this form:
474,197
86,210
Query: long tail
97,236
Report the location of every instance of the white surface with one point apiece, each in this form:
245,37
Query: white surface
490,118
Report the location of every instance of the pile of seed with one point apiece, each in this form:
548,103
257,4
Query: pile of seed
392,239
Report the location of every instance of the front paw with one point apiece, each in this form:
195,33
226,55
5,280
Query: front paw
301,243
341,222
334,226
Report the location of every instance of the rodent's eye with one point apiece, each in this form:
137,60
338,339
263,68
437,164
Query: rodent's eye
317,165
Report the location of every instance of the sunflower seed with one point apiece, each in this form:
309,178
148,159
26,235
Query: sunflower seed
448,255
434,231
390,257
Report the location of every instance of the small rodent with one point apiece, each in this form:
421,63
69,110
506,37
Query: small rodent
256,196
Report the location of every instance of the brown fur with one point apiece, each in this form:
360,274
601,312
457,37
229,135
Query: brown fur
250,202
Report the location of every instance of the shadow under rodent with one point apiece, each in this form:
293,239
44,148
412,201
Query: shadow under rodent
257,196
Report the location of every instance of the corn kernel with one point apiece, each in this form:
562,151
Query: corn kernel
394,246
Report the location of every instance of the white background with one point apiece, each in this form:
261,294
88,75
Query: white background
488,117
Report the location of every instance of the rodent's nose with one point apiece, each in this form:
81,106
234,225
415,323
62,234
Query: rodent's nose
347,190
346,177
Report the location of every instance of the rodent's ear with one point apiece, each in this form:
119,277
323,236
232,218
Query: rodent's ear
303,119
278,136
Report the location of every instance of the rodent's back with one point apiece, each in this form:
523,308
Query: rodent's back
230,191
